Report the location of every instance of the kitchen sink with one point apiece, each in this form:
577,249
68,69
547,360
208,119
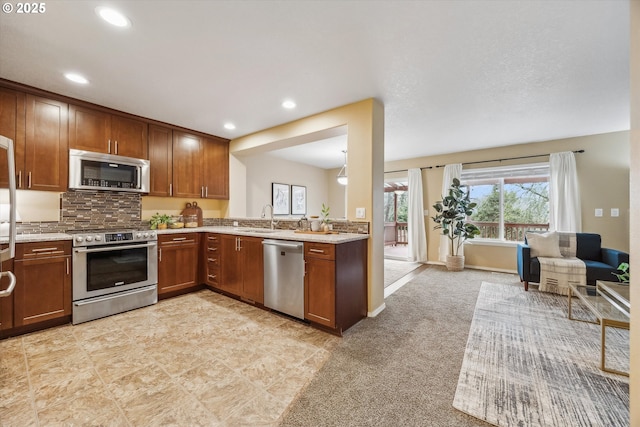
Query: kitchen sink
258,230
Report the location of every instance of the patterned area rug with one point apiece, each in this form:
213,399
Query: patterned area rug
527,364
394,270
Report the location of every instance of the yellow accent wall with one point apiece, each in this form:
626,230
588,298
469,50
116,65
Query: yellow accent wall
364,124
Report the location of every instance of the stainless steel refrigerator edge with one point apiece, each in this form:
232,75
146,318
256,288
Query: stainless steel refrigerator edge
284,276
9,253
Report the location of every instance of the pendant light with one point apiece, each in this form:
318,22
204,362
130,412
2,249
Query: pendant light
342,175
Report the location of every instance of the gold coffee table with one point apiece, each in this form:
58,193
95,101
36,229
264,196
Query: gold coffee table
609,303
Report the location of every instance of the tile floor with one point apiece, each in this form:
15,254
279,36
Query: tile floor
200,359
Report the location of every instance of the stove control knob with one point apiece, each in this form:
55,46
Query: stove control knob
138,235
79,239
145,235
152,234
89,238
98,238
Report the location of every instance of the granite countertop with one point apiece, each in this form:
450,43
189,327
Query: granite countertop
40,237
265,233
241,231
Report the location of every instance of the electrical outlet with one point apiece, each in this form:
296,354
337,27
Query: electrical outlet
235,223
360,213
426,212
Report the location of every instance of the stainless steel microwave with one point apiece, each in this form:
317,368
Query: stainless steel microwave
98,171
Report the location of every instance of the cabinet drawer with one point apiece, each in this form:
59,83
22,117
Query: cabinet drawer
319,250
213,239
213,275
42,249
178,239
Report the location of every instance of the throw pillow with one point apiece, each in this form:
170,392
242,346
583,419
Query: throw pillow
545,244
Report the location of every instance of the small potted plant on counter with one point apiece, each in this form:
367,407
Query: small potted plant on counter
159,221
325,217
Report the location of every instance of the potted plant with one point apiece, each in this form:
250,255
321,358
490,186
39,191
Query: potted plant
325,217
159,221
451,217
624,268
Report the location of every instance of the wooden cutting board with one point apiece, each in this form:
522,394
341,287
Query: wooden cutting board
193,209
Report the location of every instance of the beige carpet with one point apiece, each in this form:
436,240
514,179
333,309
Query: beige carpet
401,367
395,269
527,364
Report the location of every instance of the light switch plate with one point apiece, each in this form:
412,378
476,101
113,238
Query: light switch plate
598,212
615,212
426,212
360,213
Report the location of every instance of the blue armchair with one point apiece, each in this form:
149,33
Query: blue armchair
600,262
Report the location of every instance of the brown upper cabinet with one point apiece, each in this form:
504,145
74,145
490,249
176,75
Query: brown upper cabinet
12,125
160,161
101,132
38,127
188,165
46,151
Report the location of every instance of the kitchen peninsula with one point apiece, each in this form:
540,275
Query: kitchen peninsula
190,259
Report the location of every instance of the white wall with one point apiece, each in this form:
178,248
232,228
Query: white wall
264,169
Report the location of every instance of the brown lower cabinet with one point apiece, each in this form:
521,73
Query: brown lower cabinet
6,303
177,262
43,282
242,267
335,284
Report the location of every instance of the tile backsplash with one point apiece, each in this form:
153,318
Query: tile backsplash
85,210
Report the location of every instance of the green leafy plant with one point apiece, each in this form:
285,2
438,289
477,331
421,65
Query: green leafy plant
451,216
325,214
624,277
158,219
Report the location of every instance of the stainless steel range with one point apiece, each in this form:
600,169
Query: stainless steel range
113,272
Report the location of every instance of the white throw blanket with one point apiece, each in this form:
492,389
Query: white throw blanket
557,273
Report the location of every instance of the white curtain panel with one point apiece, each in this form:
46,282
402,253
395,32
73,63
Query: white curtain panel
564,193
450,172
417,231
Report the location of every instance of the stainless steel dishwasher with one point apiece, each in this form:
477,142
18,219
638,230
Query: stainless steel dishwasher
284,276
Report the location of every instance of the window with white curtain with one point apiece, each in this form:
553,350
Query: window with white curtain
511,200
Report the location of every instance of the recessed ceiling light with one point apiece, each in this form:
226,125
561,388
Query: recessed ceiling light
76,78
229,126
113,17
289,104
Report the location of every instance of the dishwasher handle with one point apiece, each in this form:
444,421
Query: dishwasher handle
282,244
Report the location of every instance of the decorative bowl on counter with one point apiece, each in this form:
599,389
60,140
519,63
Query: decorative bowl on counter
176,222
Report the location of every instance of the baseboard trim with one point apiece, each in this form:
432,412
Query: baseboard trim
377,311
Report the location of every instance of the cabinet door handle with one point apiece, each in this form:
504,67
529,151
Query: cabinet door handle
67,266
109,146
318,251
202,191
212,249
116,146
206,191
29,180
171,189
179,238
160,255
19,179
212,259
211,276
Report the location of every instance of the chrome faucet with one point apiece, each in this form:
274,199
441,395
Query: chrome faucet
264,214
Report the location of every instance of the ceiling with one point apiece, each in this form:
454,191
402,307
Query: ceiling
452,75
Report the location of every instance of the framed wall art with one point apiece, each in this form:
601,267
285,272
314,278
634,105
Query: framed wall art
298,200
280,198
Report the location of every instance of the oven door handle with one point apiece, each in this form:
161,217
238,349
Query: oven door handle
115,248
